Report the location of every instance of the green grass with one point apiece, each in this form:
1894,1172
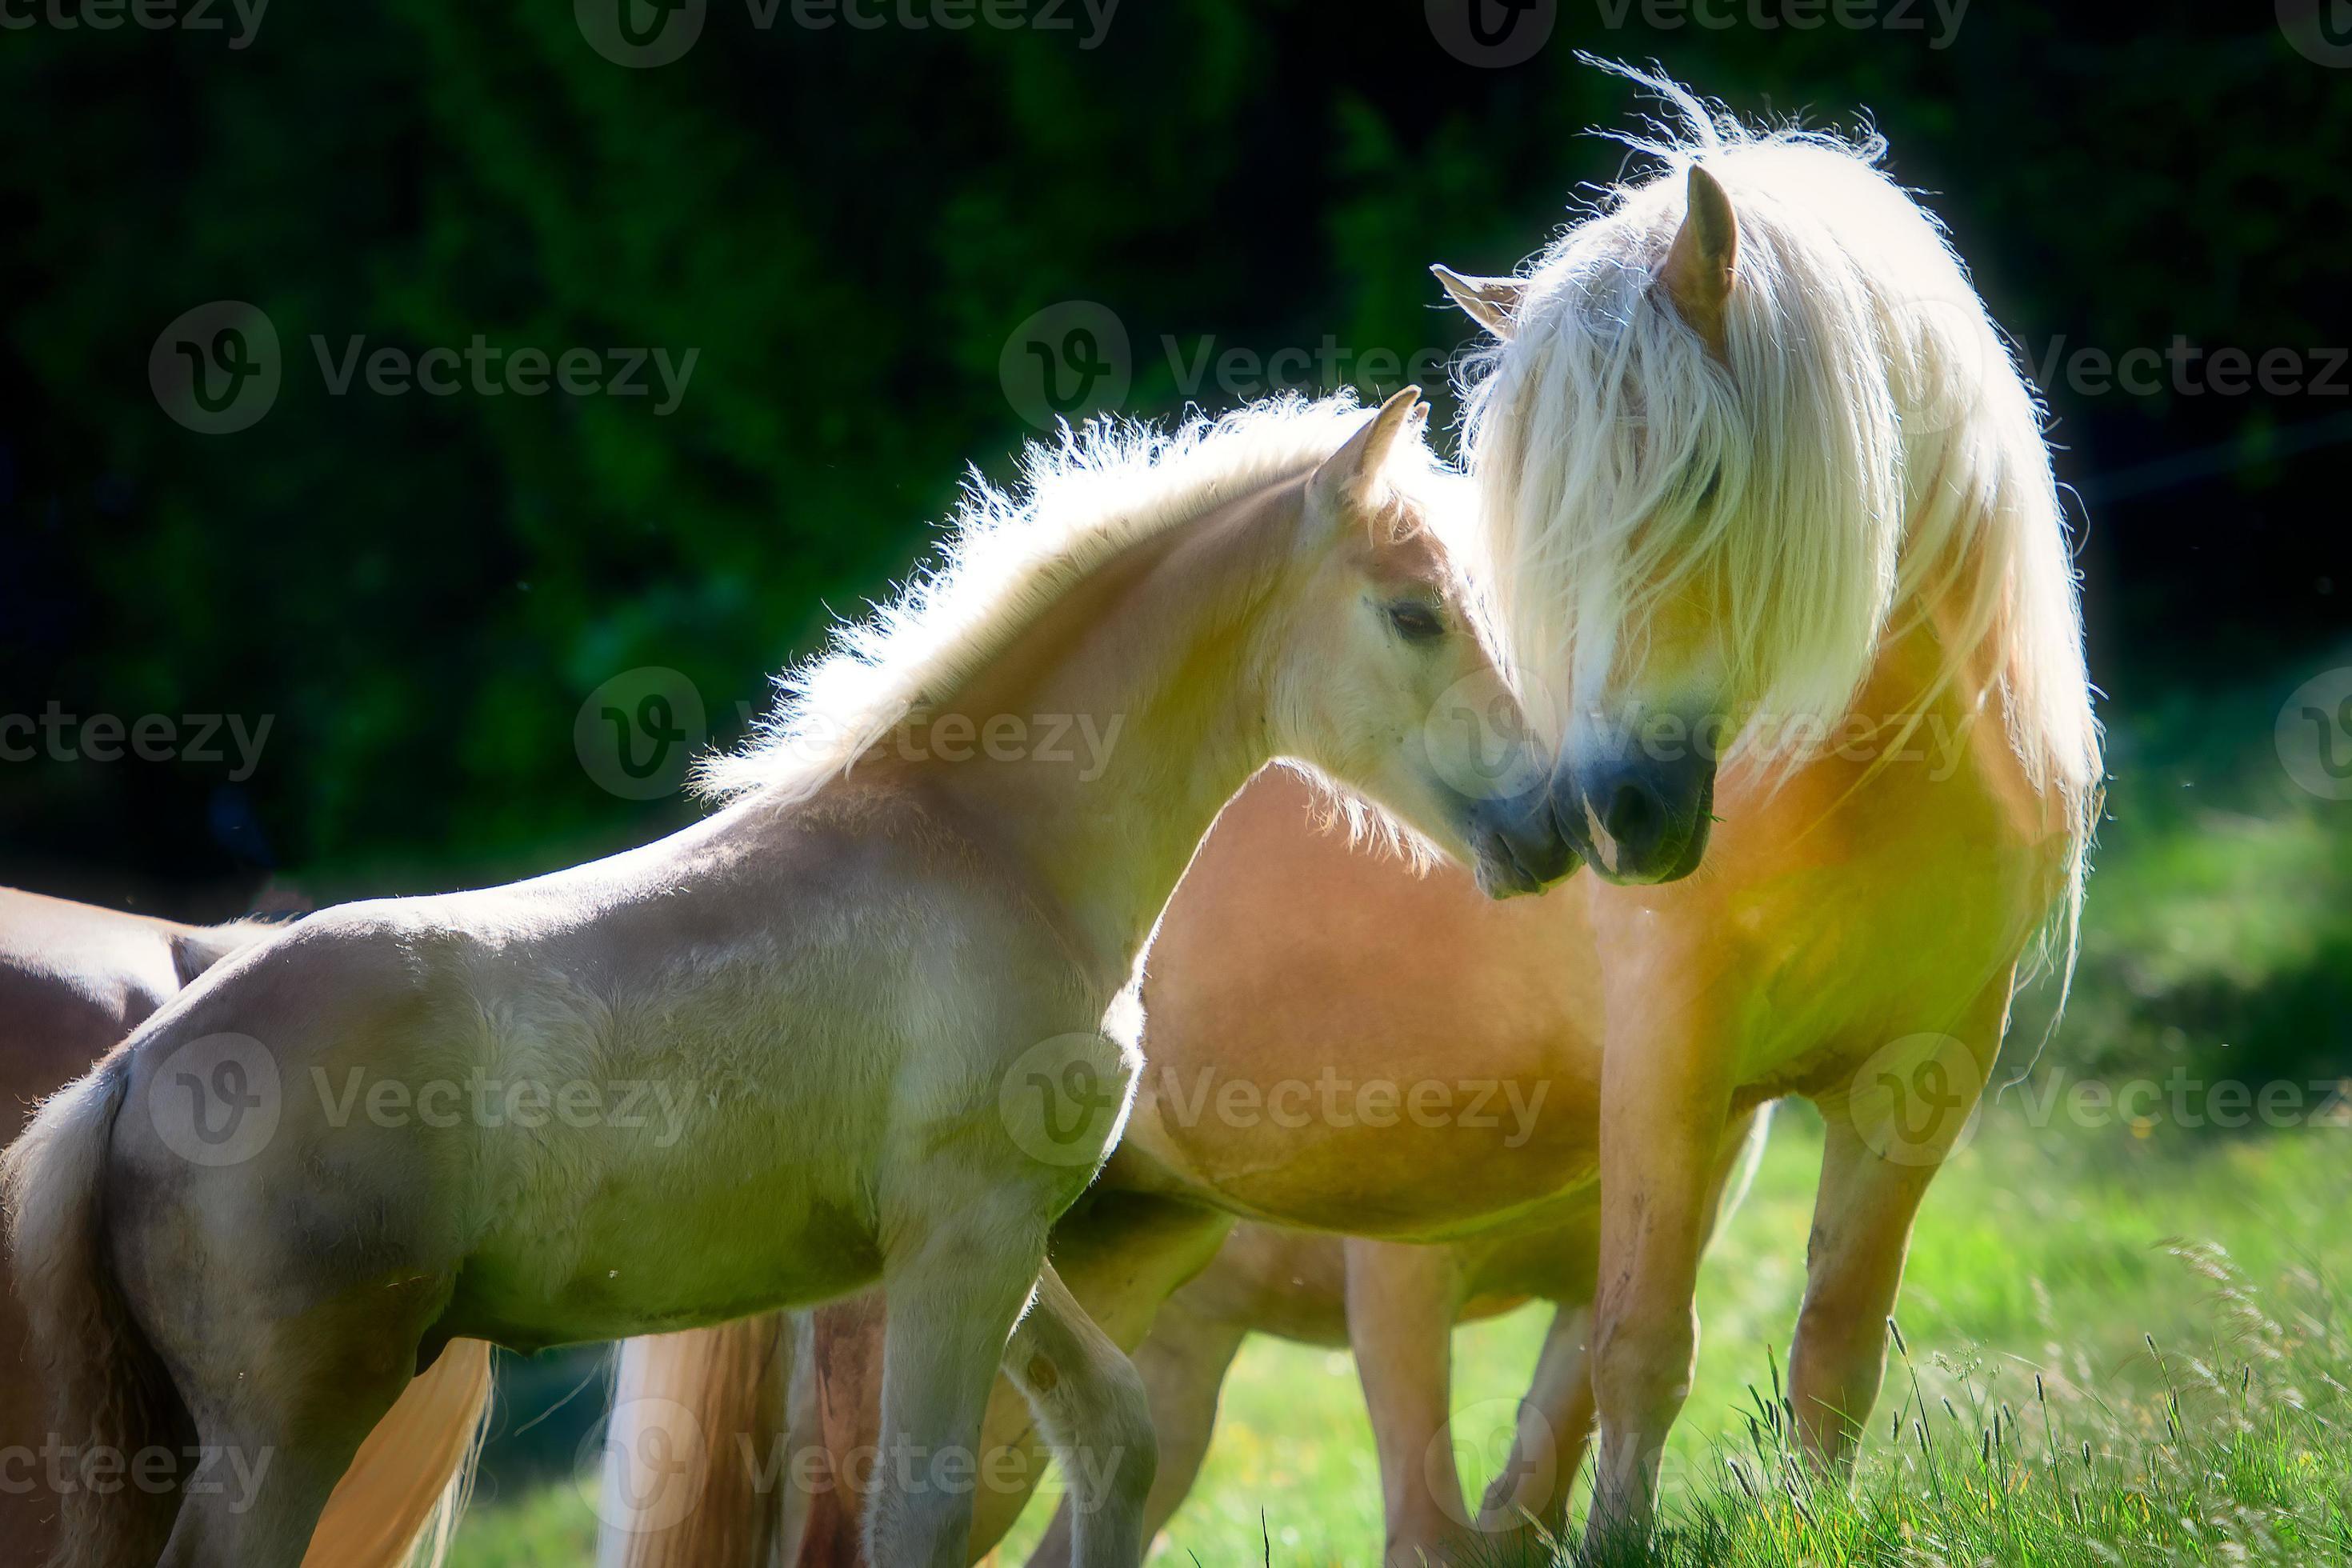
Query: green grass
2057,1252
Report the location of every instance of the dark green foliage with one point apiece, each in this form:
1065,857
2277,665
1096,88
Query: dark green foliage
848,225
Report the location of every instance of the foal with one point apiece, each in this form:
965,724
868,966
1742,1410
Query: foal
871,987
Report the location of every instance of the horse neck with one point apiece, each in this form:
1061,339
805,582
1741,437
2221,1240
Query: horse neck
1153,671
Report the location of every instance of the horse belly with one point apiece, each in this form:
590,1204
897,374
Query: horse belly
1470,1148
700,1248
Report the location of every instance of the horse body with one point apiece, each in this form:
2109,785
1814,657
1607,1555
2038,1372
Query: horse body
682,996
848,969
1284,1049
1752,434
74,980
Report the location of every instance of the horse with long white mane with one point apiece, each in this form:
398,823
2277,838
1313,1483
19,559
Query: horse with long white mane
857,970
1781,529
1757,454
74,980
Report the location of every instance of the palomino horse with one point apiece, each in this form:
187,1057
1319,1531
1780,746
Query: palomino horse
74,980
873,987
1777,514
1415,1061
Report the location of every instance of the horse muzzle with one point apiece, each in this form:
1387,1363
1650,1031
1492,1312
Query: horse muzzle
1640,822
1522,843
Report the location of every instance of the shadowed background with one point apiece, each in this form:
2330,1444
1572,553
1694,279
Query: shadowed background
850,227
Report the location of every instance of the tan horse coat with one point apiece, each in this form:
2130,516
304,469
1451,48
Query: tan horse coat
75,980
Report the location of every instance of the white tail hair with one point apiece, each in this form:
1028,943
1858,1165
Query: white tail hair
399,1504
108,1389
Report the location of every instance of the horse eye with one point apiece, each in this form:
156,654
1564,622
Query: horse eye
1417,622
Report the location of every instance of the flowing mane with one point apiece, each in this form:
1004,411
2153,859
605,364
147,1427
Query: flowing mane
1099,490
1870,457
1869,453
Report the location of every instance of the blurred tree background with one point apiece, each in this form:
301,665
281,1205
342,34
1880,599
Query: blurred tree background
846,224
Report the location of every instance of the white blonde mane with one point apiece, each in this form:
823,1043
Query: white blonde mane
1082,500
1870,452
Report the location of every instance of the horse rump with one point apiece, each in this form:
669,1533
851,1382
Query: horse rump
112,1404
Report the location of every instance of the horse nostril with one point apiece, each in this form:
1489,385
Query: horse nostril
1633,816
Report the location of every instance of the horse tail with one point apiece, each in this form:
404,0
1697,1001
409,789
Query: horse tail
714,1399
1751,1160
398,1504
109,1391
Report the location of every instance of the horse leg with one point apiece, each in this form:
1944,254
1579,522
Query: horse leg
1554,1425
1182,1362
952,1296
837,1411
1875,1167
1401,1302
1092,1406
1664,1114
276,1434
1122,1254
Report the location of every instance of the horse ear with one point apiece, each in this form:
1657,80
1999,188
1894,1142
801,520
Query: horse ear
1493,302
1347,479
1700,266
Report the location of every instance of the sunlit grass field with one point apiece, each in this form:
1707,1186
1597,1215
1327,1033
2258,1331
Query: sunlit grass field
2061,1251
